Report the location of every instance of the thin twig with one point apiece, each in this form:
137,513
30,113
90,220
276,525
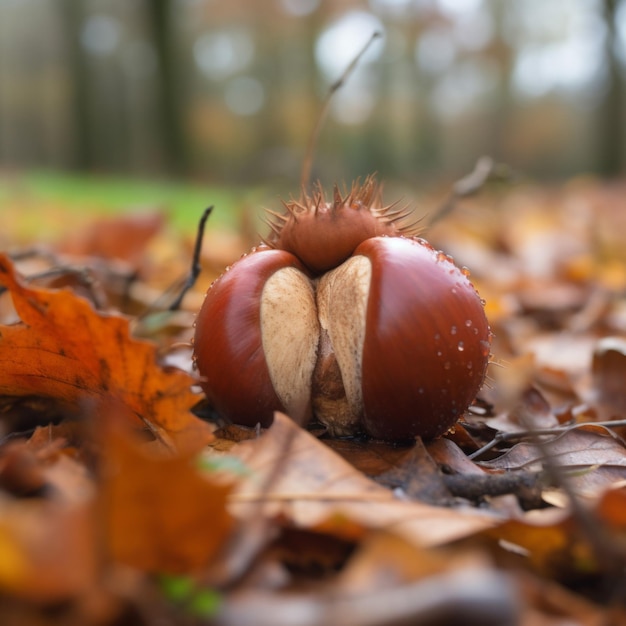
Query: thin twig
473,487
34,252
485,170
83,275
609,557
196,266
310,497
520,435
307,164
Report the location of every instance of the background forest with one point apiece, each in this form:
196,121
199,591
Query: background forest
229,91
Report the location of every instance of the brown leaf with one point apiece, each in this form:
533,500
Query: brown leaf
163,513
549,541
122,237
370,457
465,594
595,456
417,474
315,484
611,509
65,350
47,545
384,560
609,373
446,453
561,545
546,603
20,471
46,549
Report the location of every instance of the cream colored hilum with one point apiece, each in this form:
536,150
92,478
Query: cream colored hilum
290,335
342,296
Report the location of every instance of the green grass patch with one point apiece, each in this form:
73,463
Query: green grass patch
103,194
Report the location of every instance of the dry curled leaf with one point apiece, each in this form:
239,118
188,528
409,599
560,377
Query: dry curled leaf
64,350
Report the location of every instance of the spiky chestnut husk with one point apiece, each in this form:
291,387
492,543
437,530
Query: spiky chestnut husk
323,233
391,341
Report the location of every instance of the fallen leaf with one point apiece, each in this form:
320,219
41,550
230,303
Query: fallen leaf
47,544
594,456
609,372
611,509
418,476
122,237
546,603
315,484
531,411
46,549
384,560
548,542
446,453
64,350
163,513
476,595
370,457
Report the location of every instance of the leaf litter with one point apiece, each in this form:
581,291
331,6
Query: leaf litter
118,504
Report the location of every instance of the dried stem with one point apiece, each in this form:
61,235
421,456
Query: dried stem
485,170
307,164
610,557
537,432
196,267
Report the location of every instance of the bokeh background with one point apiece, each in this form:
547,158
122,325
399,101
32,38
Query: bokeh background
227,92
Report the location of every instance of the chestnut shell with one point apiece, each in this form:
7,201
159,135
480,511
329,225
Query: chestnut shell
227,343
427,340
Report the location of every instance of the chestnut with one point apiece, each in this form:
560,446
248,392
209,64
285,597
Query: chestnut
343,317
256,338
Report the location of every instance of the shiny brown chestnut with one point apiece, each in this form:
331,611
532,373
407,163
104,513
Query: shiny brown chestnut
376,335
427,340
256,338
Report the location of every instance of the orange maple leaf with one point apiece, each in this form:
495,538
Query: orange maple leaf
64,349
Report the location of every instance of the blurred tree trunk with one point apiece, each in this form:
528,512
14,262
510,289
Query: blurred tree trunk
83,157
175,154
504,102
611,124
